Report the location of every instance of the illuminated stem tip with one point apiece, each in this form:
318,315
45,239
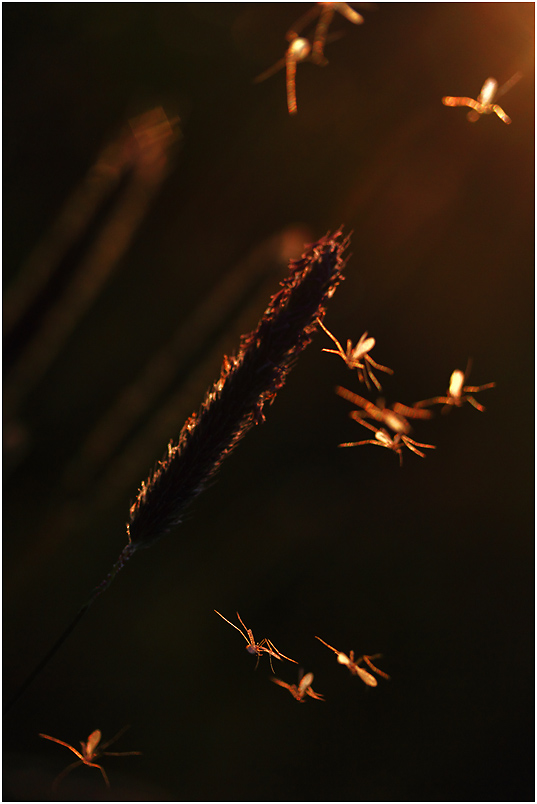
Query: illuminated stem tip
235,402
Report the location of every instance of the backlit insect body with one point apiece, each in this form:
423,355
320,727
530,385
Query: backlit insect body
395,418
484,103
304,688
298,50
395,443
354,667
357,357
90,751
458,393
325,12
257,648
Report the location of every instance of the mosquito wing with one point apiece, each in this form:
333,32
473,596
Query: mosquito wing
456,382
488,91
305,682
363,346
93,741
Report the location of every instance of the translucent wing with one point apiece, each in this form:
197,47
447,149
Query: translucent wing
93,741
488,91
363,346
305,682
455,383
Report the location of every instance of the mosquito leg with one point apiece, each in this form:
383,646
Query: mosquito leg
371,375
448,100
367,660
339,346
473,116
65,771
436,400
363,376
270,72
410,441
246,629
508,84
354,398
105,777
474,389
360,416
301,23
368,657
291,84
282,684
378,366
480,108
120,733
361,443
476,404
501,114
319,38
232,625
327,645
411,413
61,742
278,654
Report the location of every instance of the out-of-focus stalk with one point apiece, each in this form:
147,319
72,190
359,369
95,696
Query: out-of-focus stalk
146,154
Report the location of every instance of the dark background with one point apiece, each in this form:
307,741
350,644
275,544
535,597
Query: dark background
430,565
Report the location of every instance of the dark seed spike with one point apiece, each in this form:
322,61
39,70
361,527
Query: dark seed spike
236,401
